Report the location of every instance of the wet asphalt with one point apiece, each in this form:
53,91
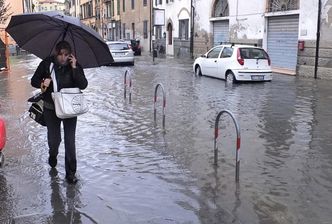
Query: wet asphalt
131,170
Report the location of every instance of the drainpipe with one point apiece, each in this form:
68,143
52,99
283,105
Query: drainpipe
23,6
151,6
318,37
192,12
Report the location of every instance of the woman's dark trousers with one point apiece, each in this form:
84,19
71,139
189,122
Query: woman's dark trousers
53,124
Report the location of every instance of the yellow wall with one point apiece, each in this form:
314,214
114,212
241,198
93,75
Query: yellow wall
49,6
16,7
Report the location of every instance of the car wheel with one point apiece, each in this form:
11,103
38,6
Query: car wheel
230,78
198,71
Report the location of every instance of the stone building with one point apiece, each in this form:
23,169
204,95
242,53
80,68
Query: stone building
285,28
48,5
135,21
175,35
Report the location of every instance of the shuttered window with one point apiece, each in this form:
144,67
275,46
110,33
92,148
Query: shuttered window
184,29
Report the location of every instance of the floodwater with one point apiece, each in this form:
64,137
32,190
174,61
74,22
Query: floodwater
132,171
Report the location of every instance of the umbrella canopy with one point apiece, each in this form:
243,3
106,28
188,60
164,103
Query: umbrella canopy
38,33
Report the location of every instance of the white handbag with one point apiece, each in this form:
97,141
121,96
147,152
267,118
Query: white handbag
69,102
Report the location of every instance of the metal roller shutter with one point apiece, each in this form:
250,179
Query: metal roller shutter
282,38
220,32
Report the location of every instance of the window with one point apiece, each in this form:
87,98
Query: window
123,5
132,4
145,29
124,29
221,8
227,52
108,10
90,9
118,8
158,32
282,5
118,46
253,53
214,53
184,29
160,2
145,2
133,29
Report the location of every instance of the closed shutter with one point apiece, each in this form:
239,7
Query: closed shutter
282,38
220,32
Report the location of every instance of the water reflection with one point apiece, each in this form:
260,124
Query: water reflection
64,206
5,195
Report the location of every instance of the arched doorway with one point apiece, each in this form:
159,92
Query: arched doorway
169,44
220,13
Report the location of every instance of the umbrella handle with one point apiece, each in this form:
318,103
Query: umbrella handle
43,88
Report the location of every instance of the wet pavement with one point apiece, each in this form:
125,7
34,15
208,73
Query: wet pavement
131,171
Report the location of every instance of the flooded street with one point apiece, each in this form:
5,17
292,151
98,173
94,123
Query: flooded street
131,171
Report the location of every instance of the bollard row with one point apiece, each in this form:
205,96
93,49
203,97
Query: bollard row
216,131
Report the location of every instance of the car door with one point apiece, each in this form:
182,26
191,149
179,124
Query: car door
210,64
224,62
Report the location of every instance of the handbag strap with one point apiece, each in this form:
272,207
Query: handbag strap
55,85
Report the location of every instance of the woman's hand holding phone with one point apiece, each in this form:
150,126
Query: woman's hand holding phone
72,60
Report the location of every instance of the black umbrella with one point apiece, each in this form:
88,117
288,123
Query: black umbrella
38,33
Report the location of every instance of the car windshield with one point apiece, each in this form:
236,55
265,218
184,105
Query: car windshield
253,53
118,46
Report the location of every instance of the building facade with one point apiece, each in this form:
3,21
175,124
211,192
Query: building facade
175,34
49,5
16,7
135,21
286,29
88,13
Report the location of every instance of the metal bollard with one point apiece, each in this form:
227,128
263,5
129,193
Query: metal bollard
125,85
164,103
2,140
238,142
2,159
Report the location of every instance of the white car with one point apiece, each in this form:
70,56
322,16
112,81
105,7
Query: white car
121,52
235,63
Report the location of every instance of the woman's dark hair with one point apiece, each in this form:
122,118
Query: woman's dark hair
62,45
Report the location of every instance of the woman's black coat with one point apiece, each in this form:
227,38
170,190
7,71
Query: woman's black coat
66,77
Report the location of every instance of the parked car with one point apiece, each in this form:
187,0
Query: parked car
136,47
121,52
235,63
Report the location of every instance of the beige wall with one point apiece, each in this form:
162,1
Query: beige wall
90,21
16,7
137,16
47,6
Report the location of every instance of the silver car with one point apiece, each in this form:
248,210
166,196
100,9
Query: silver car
121,52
